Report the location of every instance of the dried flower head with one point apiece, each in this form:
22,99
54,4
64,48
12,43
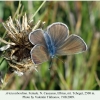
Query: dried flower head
18,55
18,48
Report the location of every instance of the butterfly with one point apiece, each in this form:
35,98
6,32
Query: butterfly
55,41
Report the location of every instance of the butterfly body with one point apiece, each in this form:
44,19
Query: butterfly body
54,42
50,45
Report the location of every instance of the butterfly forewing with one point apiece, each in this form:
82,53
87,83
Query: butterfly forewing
73,44
58,32
36,37
39,54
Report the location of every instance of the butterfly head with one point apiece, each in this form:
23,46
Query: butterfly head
52,55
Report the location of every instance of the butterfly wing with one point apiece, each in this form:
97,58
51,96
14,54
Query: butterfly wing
39,54
73,44
36,37
58,32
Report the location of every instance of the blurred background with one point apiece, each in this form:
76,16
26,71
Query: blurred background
73,72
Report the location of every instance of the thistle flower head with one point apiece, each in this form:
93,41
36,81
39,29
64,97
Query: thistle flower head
17,48
18,55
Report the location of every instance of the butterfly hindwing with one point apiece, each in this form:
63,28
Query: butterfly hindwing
39,54
36,37
73,44
58,32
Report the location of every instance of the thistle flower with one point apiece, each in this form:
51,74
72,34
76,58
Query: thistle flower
18,48
18,55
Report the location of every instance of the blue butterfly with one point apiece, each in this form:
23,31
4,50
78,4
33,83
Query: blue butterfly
54,41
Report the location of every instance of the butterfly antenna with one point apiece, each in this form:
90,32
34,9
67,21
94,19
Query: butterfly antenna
60,59
50,64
